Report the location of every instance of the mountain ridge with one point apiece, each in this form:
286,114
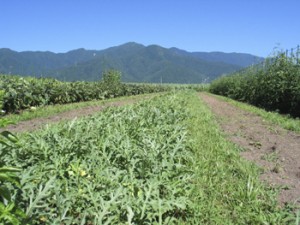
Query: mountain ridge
138,63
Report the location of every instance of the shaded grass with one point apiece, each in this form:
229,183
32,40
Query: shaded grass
283,121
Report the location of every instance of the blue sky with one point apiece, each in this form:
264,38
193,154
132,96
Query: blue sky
250,26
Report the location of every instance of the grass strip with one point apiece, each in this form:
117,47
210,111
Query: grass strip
227,188
283,121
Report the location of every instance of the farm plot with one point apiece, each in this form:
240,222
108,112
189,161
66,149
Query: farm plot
162,161
274,149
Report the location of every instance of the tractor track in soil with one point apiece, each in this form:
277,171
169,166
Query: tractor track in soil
272,148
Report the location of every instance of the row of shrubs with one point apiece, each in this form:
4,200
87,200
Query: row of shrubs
19,93
274,86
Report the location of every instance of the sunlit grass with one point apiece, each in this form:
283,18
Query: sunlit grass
227,188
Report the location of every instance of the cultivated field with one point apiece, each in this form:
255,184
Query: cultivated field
163,160
169,155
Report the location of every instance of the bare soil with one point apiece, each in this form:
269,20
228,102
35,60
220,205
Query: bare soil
38,123
274,149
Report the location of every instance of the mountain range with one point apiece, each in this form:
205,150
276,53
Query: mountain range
138,63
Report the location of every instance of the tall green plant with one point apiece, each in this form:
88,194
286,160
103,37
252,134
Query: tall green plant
275,86
112,82
1,102
10,211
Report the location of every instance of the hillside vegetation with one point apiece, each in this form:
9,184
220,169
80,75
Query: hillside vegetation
138,63
275,85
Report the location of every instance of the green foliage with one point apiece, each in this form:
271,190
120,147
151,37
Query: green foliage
227,188
112,82
138,63
152,64
1,102
195,87
25,93
284,121
10,211
51,110
162,161
111,77
275,87
124,165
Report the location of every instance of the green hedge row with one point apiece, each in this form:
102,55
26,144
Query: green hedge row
22,93
275,87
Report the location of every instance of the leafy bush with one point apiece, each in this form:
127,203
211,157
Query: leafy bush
274,87
10,211
112,81
23,93
1,101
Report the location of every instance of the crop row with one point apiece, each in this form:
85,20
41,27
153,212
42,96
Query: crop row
275,86
22,93
162,161
124,165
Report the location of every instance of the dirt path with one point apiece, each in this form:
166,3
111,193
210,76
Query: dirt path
274,149
37,123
